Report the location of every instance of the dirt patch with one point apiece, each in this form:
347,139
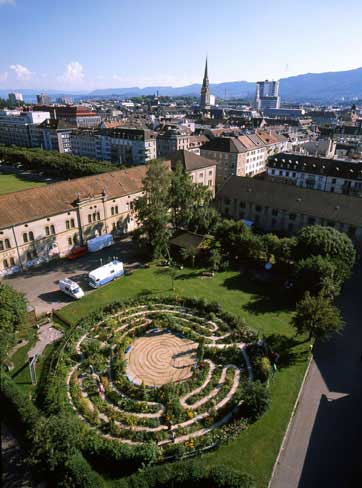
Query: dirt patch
161,358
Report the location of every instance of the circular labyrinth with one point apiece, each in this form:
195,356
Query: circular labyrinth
160,358
162,372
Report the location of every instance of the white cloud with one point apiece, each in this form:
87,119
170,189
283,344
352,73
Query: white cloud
22,72
3,76
74,72
7,2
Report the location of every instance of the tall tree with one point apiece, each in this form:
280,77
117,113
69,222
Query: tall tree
152,210
317,316
181,197
328,242
317,274
12,316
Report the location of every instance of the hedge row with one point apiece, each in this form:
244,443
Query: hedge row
19,411
54,164
187,474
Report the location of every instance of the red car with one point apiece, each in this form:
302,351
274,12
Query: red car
77,252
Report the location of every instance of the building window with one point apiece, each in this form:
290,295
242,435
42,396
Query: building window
69,241
47,230
31,236
258,208
112,210
332,189
5,263
75,239
72,223
209,183
292,216
52,229
273,171
89,218
98,216
12,262
116,209
1,246
67,226
25,237
275,212
7,244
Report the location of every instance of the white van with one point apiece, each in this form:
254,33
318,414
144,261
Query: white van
71,288
106,273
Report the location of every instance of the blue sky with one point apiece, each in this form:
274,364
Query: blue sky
87,44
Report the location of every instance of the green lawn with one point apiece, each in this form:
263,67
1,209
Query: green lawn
11,183
255,450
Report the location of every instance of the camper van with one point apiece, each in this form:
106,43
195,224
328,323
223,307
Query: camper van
100,242
106,273
71,288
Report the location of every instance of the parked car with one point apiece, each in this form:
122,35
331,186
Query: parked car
77,252
71,288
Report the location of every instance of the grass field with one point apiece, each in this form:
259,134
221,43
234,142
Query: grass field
255,450
10,183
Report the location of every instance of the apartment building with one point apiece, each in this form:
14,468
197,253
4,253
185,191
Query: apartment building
76,115
279,207
244,155
128,145
201,170
43,223
172,140
325,174
16,127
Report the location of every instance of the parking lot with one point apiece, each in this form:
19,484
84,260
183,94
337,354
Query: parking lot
40,284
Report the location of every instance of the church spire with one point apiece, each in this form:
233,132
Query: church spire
205,90
206,77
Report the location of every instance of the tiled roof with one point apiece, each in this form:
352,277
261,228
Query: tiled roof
325,205
316,165
36,203
189,160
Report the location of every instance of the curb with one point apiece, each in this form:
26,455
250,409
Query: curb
290,421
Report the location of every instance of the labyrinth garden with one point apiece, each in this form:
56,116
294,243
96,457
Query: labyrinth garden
167,371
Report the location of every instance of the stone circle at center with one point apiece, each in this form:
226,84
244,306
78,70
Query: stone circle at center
159,358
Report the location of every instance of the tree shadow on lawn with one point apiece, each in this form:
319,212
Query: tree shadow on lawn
266,297
285,347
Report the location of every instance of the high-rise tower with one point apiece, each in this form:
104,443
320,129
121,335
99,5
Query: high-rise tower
205,90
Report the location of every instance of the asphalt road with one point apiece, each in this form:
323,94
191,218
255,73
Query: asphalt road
40,284
323,447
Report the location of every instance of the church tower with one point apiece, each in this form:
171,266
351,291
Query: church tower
205,91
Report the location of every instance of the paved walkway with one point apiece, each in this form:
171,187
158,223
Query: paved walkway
324,445
46,335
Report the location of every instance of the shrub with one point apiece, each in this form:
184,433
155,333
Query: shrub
262,368
79,474
16,406
256,400
227,477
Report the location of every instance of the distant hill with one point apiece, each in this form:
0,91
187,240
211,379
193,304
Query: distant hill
311,86
329,86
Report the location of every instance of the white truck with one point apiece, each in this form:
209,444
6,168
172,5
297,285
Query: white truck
100,242
71,288
102,275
